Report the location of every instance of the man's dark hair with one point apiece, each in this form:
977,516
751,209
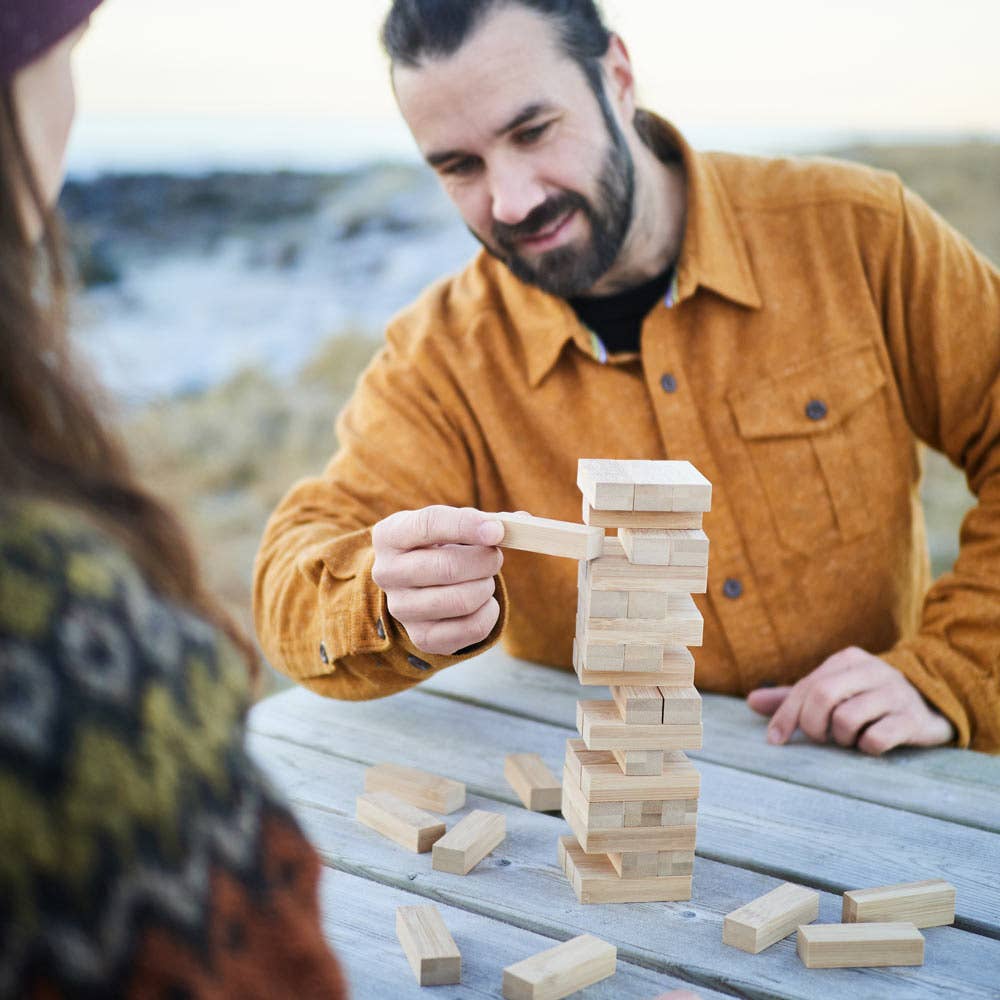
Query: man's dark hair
415,30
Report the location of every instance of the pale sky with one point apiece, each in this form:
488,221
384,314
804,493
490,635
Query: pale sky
878,64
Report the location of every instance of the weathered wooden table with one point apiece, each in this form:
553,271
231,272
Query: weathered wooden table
816,815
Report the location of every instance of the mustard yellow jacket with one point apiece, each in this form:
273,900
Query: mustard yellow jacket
823,321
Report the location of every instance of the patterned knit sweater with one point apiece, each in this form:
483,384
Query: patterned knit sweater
141,853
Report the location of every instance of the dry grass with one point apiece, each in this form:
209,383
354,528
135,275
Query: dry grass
225,458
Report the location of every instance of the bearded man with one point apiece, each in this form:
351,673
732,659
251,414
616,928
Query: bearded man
794,328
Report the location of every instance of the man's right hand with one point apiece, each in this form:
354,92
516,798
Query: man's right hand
437,568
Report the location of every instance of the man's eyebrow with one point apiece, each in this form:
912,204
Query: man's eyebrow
524,115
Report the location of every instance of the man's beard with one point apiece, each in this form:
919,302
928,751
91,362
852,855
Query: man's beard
568,271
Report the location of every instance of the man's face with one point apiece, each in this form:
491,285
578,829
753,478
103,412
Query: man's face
541,174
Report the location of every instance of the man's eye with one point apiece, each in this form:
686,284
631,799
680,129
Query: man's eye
530,135
460,168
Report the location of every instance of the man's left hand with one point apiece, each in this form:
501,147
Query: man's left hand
854,699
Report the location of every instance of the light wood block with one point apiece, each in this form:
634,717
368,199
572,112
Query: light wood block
640,705
594,815
860,946
669,485
604,603
661,812
602,728
594,879
536,786
689,548
624,840
601,779
640,519
643,604
428,946
419,788
681,705
605,484
560,971
613,571
682,626
647,763
551,538
930,903
401,822
771,917
468,842
675,669
646,546
655,864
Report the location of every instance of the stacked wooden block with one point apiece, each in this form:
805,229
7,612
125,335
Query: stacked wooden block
630,794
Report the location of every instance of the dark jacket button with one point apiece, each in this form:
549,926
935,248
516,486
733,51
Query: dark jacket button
817,410
380,628
415,661
323,655
733,589
668,383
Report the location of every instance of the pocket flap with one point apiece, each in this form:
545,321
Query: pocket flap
809,399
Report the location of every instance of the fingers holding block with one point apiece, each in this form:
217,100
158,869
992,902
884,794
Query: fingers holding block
468,842
551,538
428,946
560,971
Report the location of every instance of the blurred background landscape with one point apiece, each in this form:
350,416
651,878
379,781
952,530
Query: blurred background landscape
246,211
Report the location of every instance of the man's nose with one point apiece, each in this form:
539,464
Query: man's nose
516,192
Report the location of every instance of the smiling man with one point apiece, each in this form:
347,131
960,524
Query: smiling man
794,328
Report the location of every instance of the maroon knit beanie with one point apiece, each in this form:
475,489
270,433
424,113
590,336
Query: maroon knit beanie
29,27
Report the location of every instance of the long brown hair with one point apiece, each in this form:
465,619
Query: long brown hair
54,442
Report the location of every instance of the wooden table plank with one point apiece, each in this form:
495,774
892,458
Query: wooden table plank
521,885
956,785
790,831
364,938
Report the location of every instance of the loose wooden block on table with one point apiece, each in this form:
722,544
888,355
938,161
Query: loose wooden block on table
536,786
419,788
601,779
468,842
401,822
641,705
560,971
594,879
771,917
548,537
684,520
428,946
930,903
860,946
602,728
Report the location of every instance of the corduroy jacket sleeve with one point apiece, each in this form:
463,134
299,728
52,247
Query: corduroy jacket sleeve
320,617
942,321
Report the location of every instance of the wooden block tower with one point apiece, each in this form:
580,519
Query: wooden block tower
630,794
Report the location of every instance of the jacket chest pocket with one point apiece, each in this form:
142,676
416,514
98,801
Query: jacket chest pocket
815,436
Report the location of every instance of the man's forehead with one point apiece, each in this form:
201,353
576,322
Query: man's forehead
509,63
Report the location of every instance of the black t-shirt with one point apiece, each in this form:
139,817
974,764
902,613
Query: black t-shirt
617,319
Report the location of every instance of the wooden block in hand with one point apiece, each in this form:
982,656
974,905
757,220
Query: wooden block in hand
641,705
419,788
676,521
551,538
924,904
771,917
428,946
536,786
468,842
560,971
401,822
860,946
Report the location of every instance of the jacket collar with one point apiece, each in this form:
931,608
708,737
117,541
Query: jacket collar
714,256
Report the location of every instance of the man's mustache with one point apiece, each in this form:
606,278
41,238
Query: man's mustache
539,218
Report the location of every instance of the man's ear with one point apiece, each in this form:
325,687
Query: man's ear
617,66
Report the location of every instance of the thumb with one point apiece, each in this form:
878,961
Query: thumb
767,701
